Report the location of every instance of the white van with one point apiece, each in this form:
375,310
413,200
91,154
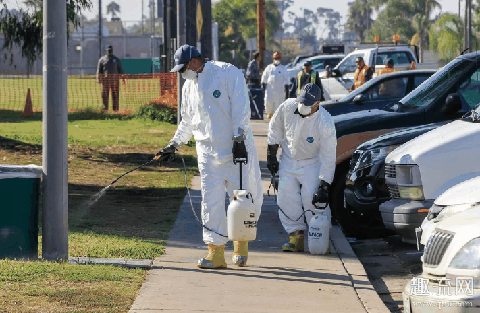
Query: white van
457,199
420,170
450,281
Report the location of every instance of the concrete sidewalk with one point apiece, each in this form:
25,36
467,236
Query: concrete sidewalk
273,281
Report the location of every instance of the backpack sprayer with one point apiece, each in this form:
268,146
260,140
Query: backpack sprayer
318,226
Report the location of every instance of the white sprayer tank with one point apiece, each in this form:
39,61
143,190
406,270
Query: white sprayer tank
241,217
319,232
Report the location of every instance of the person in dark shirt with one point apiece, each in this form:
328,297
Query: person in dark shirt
305,76
253,73
109,70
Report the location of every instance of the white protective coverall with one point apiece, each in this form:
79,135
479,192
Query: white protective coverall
214,106
275,76
309,146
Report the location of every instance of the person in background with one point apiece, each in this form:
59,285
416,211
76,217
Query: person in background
362,74
109,70
275,83
389,67
307,75
216,111
306,133
253,73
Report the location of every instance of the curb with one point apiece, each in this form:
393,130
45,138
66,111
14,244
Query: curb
365,291
128,263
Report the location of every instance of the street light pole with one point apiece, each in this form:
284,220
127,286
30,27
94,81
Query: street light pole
55,148
100,20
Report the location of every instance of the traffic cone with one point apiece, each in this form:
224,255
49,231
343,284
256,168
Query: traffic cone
28,110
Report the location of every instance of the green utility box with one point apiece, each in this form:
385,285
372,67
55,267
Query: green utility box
140,66
19,202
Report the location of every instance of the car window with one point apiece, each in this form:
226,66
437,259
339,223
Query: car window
437,84
419,79
469,90
398,57
395,87
348,65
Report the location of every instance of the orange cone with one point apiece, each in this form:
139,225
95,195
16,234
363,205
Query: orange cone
28,110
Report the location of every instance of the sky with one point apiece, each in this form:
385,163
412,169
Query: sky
131,9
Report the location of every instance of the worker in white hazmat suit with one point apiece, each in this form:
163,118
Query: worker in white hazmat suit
306,133
275,83
216,111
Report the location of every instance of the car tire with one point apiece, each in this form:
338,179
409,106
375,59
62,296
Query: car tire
364,227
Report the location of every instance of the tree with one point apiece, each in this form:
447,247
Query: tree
446,37
421,20
360,17
26,29
394,18
113,8
237,21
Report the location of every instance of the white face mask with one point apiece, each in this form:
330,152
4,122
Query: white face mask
303,109
276,62
189,74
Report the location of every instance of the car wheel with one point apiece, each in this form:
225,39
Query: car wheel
361,226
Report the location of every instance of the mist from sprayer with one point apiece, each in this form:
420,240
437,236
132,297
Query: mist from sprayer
94,199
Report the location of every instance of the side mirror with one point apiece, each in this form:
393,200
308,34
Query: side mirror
359,99
453,104
336,73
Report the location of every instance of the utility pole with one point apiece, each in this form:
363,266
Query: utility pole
55,154
181,40
261,30
469,24
100,20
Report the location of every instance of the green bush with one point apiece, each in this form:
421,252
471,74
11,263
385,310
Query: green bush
154,112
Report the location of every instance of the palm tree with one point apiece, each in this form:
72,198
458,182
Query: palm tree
113,8
360,17
421,20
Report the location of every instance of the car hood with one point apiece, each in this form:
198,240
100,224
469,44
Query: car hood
451,137
398,137
468,219
463,193
361,117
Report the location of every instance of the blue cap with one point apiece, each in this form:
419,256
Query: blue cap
183,55
310,94
307,63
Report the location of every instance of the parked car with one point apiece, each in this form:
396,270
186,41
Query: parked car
446,95
319,62
456,199
365,185
419,171
451,272
378,92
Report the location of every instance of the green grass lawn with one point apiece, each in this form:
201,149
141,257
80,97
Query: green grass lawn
83,93
132,220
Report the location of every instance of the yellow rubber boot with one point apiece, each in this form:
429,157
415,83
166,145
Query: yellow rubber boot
240,253
295,243
214,259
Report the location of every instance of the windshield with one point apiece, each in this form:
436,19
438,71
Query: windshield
437,84
360,90
348,64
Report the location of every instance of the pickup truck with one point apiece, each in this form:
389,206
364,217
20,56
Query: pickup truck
447,95
419,171
341,80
